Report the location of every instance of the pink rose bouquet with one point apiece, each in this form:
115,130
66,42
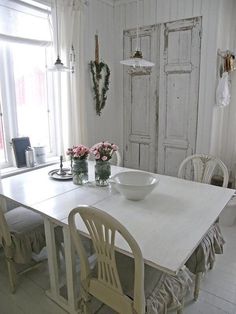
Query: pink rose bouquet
103,151
78,152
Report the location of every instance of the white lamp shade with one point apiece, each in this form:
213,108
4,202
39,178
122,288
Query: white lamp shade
137,60
59,67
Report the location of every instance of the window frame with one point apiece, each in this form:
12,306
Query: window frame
8,105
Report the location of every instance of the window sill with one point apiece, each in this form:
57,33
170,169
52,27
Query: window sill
12,171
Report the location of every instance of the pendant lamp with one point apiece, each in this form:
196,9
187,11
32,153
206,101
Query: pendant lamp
136,60
58,65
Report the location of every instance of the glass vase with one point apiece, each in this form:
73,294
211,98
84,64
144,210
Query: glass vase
80,171
102,172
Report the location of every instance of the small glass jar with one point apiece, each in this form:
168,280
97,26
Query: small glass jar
80,171
102,172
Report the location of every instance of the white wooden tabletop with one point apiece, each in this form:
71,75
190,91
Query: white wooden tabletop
36,186
59,207
168,224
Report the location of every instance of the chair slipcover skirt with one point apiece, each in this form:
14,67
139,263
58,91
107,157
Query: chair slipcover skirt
27,234
162,291
204,255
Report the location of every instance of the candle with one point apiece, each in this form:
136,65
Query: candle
96,49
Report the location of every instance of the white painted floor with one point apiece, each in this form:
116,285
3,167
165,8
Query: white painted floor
218,288
217,296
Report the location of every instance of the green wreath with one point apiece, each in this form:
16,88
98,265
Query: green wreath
96,69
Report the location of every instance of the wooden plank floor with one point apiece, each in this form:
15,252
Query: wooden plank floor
218,289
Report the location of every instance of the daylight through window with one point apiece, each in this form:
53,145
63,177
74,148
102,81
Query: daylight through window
26,88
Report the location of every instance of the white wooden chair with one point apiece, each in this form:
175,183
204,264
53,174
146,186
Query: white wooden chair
116,158
201,168
21,234
121,282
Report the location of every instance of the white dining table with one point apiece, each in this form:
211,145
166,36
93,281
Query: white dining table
168,225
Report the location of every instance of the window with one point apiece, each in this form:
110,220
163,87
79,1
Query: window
26,88
2,136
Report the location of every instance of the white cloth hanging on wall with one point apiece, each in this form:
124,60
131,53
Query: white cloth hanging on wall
223,90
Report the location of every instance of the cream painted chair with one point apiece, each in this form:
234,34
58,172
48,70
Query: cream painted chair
123,283
116,159
201,168
21,234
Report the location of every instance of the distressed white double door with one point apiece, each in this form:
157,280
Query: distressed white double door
161,105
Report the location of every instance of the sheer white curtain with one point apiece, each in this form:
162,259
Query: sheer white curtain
229,131
79,127
69,85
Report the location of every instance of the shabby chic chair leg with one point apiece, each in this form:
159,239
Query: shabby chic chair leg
197,285
211,265
85,302
180,309
11,274
85,308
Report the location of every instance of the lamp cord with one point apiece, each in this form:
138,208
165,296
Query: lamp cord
57,28
137,29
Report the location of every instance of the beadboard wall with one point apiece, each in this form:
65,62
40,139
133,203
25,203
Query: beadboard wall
99,18
223,130
109,19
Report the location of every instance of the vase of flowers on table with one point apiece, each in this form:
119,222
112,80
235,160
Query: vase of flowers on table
79,155
103,153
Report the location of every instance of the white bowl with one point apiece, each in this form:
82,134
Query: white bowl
135,185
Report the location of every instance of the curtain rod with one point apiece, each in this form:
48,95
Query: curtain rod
21,40
31,6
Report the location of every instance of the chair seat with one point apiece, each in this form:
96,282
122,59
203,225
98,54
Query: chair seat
204,255
27,234
162,291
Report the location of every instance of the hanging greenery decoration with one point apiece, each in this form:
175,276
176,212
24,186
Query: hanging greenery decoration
100,78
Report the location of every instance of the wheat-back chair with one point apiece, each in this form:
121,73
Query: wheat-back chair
201,168
122,283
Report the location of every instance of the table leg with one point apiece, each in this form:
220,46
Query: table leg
70,271
198,279
52,258
69,303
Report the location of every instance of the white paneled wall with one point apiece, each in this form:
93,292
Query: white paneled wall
223,130
159,11
99,17
110,18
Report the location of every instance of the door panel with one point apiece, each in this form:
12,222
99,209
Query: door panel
140,103
140,110
178,90
177,101
161,104
173,155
